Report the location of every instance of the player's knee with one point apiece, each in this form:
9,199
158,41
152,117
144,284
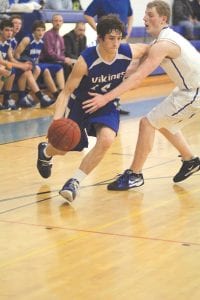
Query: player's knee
146,133
144,124
106,141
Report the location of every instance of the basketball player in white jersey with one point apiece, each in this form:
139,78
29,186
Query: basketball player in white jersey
181,61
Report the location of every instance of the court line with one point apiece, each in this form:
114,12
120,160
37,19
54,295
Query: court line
53,196
98,183
29,195
24,196
83,233
103,232
26,205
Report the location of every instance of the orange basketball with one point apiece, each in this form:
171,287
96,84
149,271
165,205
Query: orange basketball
64,134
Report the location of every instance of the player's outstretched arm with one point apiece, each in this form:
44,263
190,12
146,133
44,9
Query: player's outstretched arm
78,71
154,58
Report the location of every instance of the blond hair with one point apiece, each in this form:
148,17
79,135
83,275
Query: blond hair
162,8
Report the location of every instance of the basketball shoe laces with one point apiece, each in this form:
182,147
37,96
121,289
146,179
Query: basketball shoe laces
46,163
74,184
124,178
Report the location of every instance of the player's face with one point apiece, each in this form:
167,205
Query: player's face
39,33
153,22
111,41
7,33
17,25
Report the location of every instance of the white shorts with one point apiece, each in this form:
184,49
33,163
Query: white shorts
178,109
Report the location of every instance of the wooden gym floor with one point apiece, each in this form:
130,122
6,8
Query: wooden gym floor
142,244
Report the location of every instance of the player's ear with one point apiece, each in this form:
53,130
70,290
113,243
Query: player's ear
99,38
164,19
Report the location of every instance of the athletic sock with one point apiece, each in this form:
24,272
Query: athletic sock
55,94
46,155
39,94
79,175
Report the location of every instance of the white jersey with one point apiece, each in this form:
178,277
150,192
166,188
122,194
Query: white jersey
184,71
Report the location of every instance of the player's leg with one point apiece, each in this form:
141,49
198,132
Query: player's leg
36,72
191,164
57,73
105,138
133,177
8,102
49,83
44,162
24,100
60,80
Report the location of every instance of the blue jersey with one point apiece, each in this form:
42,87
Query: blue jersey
34,49
13,43
100,8
101,78
4,47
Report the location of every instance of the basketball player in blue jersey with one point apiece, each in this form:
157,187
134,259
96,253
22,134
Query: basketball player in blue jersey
181,61
30,48
6,30
98,69
21,72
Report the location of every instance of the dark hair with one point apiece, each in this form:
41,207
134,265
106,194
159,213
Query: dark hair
108,23
38,24
6,23
16,17
162,8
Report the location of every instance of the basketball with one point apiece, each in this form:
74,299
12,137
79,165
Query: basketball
64,134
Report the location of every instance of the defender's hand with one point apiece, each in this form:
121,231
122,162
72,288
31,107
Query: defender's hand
95,103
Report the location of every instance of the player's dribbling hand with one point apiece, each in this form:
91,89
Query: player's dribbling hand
95,103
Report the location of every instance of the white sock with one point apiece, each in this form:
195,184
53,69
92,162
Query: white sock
45,154
79,175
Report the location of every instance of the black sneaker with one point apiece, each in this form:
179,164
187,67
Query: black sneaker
44,164
126,181
10,104
188,168
24,102
124,112
46,101
69,190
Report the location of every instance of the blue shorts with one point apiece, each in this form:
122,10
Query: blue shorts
53,68
107,116
18,73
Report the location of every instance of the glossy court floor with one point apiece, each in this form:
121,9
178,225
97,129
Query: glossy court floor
142,244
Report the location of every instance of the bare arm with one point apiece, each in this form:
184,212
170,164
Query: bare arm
21,47
91,21
129,26
139,50
155,56
9,64
78,71
6,64
25,66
